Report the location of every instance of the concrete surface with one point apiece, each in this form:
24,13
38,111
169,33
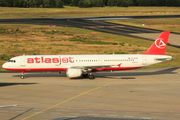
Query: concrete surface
141,93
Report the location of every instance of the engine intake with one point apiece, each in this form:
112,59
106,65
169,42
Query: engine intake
73,72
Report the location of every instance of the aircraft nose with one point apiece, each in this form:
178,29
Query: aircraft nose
4,65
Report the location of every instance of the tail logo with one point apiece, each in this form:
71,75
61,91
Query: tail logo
159,43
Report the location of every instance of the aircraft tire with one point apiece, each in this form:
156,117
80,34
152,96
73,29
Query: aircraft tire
91,77
22,76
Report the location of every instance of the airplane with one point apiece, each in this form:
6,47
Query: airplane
84,65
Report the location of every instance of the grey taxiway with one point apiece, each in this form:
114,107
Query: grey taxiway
142,93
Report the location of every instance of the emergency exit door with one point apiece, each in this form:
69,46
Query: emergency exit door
23,61
144,61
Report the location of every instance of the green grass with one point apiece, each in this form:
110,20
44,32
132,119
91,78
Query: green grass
18,45
68,11
4,57
49,48
89,41
86,41
118,52
122,44
115,43
4,31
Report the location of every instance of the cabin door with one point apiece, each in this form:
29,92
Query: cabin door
23,61
100,61
144,61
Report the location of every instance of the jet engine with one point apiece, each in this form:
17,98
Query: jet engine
73,72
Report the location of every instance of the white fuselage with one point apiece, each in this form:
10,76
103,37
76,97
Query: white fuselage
91,62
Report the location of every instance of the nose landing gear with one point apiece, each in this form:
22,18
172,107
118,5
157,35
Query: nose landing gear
22,76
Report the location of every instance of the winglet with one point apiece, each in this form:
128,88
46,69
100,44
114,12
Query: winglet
159,46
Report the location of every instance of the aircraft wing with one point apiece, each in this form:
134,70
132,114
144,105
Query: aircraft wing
90,67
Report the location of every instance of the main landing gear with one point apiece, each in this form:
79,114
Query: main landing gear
85,75
22,76
91,76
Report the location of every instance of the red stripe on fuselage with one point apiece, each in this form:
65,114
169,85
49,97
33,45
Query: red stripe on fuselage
114,68
64,69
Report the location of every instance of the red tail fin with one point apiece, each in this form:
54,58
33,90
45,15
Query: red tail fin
159,46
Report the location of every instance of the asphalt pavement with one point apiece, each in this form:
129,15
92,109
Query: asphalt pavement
99,24
123,95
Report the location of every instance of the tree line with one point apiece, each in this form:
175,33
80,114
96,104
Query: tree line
87,3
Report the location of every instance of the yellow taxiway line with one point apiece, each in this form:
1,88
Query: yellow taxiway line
64,101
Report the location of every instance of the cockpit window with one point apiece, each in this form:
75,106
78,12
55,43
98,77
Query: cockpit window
12,61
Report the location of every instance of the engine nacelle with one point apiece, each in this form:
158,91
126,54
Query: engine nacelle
73,72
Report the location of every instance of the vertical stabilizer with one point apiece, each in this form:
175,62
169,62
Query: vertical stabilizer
159,46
